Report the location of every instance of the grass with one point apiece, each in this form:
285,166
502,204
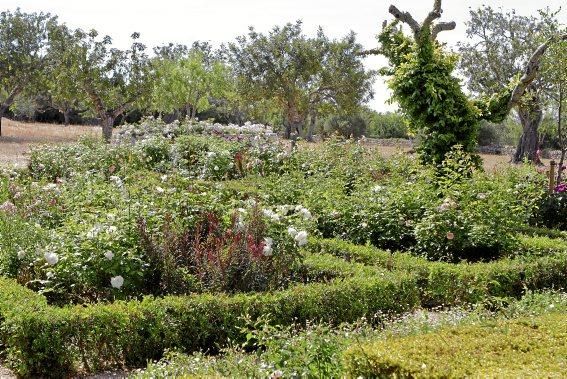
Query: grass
18,137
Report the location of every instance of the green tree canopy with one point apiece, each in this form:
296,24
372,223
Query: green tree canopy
23,54
298,73
188,82
114,80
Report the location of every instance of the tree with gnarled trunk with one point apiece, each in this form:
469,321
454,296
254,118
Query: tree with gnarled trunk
430,96
23,46
500,45
113,80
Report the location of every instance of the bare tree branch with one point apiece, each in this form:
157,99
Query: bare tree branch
405,17
442,26
433,15
365,53
531,70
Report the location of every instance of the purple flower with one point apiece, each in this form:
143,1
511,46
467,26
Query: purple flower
560,188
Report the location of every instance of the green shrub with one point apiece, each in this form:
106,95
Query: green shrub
49,341
524,347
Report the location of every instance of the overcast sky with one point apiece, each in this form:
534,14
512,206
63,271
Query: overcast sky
217,21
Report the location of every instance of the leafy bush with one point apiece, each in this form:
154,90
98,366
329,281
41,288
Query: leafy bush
505,348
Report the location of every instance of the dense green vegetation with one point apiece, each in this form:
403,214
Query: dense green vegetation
199,248
173,238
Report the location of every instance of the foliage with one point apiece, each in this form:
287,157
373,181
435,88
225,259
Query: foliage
189,83
505,348
385,125
346,126
500,43
301,75
23,45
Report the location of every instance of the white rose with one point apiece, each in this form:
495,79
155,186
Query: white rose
301,238
117,281
292,231
51,258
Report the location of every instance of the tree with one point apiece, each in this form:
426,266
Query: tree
23,46
298,73
501,44
113,79
188,83
555,73
430,96
63,90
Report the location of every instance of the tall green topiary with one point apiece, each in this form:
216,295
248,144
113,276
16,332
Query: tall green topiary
430,96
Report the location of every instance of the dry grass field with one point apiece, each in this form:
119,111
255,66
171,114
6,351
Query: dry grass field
18,137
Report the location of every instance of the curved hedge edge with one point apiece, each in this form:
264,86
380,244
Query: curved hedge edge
453,284
533,347
54,341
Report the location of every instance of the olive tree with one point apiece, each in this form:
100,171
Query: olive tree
23,54
499,46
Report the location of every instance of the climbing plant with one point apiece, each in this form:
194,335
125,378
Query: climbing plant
430,96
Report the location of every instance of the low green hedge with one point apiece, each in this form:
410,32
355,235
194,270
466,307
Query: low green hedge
452,284
41,340
50,341
532,347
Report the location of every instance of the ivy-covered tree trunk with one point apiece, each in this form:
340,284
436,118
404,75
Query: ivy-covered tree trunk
531,117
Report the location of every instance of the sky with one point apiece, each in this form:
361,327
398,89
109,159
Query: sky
218,21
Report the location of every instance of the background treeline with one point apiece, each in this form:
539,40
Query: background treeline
301,85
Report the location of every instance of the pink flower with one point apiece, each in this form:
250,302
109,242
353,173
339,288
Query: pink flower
450,235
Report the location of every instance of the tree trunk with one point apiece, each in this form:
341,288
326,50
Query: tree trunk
312,122
560,134
531,116
2,111
107,126
67,116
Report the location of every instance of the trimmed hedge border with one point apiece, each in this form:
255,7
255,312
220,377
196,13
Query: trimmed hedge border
533,347
50,341
443,284
43,340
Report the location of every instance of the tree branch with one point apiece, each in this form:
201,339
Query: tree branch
407,18
434,14
365,53
531,70
442,26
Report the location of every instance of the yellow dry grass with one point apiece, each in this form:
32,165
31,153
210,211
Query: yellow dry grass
18,137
